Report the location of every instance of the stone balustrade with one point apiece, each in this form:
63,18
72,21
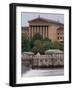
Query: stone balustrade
54,59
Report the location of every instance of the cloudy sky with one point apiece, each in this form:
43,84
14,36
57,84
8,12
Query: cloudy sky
25,17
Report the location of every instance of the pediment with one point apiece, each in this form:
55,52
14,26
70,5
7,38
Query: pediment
38,20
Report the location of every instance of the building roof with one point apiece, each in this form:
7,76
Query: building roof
28,53
53,51
45,20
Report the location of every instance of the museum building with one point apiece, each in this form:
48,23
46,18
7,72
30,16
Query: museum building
53,30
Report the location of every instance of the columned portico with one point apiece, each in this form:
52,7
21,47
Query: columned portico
41,29
50,29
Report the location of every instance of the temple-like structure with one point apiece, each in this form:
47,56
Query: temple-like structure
53,30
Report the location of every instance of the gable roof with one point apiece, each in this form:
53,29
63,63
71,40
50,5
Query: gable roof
39,19
45,21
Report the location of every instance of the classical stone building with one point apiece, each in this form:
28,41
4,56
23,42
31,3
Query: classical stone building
53,30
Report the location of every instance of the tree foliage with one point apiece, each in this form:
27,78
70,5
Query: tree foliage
38,44
25,43
37,36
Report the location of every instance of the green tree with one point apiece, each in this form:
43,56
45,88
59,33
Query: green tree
46,45
38,47
46,39
38,44
37,36
25,43
61,46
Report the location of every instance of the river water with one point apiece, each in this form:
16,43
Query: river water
27,72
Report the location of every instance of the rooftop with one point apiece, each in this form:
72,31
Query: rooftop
53,51
45,20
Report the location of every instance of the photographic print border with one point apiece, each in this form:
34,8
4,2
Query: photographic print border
12,64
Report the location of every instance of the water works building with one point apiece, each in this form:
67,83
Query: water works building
50,29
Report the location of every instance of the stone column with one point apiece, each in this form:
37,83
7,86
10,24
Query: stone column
46,31
40,30
36,29
43,31
32,31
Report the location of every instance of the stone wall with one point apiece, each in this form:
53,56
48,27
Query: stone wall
51,60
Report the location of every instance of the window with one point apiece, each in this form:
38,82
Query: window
58,33
58,38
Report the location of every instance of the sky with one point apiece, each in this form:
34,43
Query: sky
25,17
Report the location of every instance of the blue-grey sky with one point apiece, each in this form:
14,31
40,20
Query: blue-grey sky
25,17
